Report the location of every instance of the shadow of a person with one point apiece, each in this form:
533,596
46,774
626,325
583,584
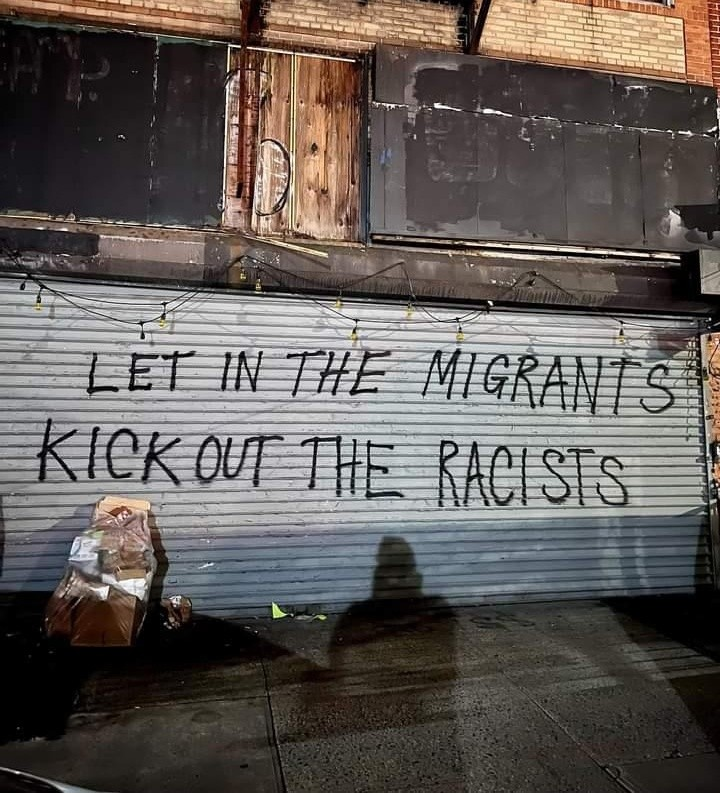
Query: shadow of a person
388,698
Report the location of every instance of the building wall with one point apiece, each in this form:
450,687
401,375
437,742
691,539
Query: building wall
644,38
199,18
714,20
350,25
695,16
332,24
633,37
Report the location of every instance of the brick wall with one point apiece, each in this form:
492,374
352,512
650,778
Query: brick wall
634,37
346,25
694,14
641,38
201,18
350,25
714,21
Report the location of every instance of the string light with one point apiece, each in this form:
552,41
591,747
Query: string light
142,330
75,300
620,338
339,301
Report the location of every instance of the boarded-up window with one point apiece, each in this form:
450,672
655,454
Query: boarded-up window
110,126
295,155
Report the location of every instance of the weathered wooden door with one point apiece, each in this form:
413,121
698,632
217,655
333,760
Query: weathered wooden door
299,145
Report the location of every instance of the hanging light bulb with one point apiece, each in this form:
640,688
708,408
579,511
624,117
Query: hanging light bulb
339,301
162,322
620,338
410,309
24,283
38,300
258,281
243,274
354,336
142,331
459,335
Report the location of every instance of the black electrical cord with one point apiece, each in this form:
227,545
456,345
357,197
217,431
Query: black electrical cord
173,304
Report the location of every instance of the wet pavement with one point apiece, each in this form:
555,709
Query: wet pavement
540,698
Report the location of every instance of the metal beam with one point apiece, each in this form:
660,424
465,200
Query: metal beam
477,31
537,278
253,13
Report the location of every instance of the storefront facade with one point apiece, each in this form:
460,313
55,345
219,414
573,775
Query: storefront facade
432,315
517,454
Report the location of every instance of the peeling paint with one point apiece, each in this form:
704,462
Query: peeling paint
603,156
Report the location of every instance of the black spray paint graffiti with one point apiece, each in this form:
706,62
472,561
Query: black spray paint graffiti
30,55
239,372
505,478
559,476
135,372
214,458
353,463
470,475
571,383
272,178
508,378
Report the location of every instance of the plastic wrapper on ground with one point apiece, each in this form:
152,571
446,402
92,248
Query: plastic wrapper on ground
103,596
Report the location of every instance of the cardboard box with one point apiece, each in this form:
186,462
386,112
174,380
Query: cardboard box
137,572
109,503
59,614
102,599
106,623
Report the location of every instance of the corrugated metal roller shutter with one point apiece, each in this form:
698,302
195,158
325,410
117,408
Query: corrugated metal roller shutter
504,483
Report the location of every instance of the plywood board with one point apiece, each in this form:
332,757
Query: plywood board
273,171
326,156
187,144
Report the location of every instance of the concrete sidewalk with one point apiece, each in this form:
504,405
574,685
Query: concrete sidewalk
590,696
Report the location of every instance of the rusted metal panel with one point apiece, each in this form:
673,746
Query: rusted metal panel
326,155
187,135
603,183
478,84
77,109
677,172
388,179
493,150
110,126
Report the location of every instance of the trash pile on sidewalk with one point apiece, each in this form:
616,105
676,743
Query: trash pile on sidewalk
103,596
176,611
